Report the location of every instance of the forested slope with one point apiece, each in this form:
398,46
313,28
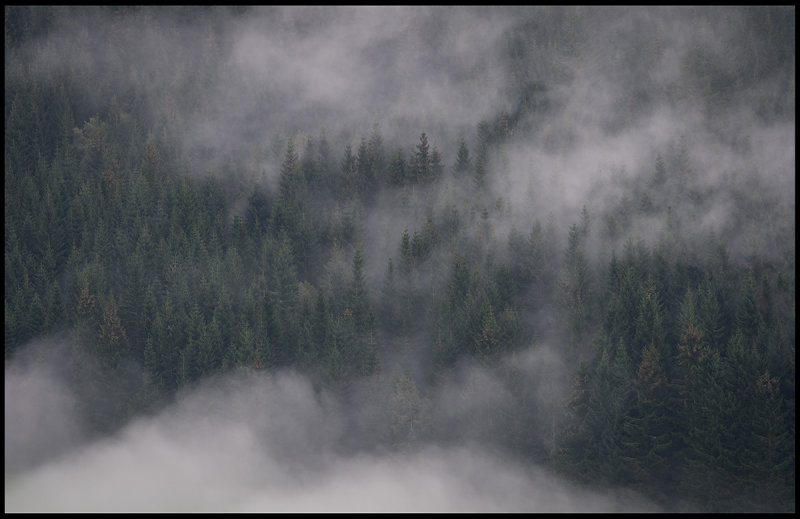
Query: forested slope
650,263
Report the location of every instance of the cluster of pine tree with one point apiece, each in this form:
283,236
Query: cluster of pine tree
683,360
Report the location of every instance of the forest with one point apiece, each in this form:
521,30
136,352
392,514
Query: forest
565,236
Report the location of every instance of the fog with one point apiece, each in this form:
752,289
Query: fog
612,89
617,87
250,442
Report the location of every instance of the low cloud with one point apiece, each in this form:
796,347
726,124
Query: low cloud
42,419
261,443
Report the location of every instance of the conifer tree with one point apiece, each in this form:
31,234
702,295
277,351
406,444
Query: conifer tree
112,343
648,430
377,158
363,178
573,283
649,327
770,453
308,163
463,165
436,165
349,186
422,161
358,299
479,177
746,316
397,169
409,413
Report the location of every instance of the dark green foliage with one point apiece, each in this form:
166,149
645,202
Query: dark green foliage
397,169
409,413
257,213
463,163
480,174
649,428
573,284
681,350
421,165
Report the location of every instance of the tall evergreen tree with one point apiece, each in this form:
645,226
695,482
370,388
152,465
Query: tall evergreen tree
349,185
377,158
573,283
397,169
480,174
463,165
409,413
358,298
648,430
422,161
112,342
649,325
436,165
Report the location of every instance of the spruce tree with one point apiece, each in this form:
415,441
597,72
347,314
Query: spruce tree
463,165
422,161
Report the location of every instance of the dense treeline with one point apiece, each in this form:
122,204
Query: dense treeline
683,359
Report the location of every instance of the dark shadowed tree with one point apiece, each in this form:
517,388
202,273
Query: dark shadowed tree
463,165
422,162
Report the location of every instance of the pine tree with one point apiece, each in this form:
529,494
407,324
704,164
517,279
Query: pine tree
709,316
422,162
53,307
709,479
573,446
190,360
132,307
349,185
648,431
36,313
409,413
336,376
480,174
209,349
770,451
486,344
162,358
436,165
244,349
649,327
609,402
573,283
87,318
320,331
325,162
746,316
363,178
288,211
305,358
377,157
358,301
285,309
112,343
397,169
308,163
256,216
334,280
406,255
463,165
349,344
388,310
660,172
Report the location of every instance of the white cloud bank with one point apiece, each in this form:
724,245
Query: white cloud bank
268,444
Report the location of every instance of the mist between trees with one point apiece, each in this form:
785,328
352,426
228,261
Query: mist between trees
294,249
